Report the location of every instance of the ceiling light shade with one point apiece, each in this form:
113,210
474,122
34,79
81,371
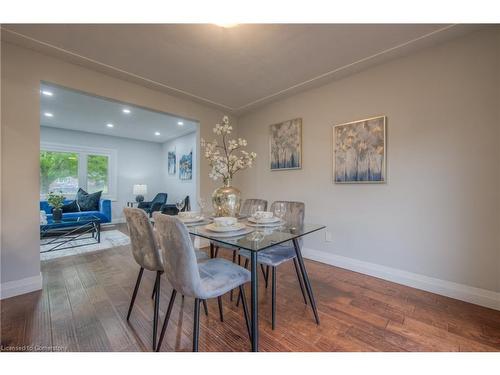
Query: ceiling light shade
47,93
48,114
110,125
226,25
180,123
126,110
157,133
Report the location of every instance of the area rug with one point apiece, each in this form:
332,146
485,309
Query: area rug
109,239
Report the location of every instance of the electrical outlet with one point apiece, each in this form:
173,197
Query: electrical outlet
328,236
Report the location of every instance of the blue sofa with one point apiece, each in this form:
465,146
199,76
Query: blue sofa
104,212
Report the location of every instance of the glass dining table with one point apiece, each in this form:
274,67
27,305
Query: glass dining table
258,239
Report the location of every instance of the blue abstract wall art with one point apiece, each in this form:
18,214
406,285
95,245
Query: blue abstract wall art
286,145
186,167
360,151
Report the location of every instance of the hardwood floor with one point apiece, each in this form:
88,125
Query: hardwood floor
84,301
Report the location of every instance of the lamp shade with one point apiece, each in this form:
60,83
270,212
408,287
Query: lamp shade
140,189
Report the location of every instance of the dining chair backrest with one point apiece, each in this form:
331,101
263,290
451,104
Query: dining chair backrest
142,238
294,215
181,267
248,204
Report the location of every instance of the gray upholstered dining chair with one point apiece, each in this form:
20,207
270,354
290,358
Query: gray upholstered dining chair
279,254
210,279
147,254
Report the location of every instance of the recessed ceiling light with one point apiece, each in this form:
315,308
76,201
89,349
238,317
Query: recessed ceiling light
47,93
180,123
48,114
157,133
126,110
110,125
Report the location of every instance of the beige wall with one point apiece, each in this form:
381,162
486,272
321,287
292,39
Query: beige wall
22,71
438,214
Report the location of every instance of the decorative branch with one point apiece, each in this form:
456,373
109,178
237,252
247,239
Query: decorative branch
225,165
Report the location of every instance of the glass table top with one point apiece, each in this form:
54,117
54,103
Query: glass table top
259,238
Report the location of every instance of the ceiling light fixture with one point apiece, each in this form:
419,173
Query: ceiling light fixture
180,123
157,133
48,114
47,93
126,110
110,125
226,25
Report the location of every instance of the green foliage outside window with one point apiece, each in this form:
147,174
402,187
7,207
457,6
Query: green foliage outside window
97,173
58,166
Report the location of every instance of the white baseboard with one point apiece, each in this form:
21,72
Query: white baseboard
478,296
17,287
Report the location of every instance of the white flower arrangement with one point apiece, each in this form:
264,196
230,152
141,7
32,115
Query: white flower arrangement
223,159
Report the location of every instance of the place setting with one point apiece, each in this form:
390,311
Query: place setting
260,218
226,226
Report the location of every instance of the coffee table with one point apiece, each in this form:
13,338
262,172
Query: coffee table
62,232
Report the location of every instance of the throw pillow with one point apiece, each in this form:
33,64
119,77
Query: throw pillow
88,202
71,207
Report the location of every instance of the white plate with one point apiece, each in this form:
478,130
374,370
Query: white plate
188,220
216,235
212,227
271,220
265,225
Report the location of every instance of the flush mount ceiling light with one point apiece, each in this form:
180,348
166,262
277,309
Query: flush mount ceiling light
48,114
226,25
47,93
126,110
180,123
110,125
157,133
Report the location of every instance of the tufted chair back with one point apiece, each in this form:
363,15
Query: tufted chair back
142,238
181,267
246,209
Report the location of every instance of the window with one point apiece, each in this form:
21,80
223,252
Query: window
67,168
58,172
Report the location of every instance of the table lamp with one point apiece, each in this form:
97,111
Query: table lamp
139,191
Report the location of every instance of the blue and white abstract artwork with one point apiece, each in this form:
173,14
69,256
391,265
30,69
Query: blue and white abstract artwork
186,167
286,145
172,161
360,151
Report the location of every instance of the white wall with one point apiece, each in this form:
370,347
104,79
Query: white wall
138,162
22,71
178,189
438,214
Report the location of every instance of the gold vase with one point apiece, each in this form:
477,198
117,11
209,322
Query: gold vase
226,200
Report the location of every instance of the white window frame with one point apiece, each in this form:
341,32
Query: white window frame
83,152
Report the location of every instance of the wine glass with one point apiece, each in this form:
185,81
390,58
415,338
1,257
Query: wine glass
280,212
254,209
202,203
180,204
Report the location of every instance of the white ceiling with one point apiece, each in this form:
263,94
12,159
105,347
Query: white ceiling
236,68
75,110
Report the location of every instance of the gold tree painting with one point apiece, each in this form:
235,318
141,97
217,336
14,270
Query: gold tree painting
286,145
360,151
